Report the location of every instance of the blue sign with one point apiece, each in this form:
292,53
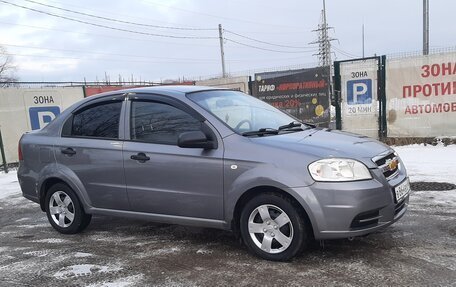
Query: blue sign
41,116
359,92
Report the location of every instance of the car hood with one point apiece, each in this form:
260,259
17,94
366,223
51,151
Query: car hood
326,143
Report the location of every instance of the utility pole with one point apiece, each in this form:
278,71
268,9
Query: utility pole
324,41
363,39
327,47
222,53
425,27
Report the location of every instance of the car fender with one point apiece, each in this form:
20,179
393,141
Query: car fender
65,174
270,176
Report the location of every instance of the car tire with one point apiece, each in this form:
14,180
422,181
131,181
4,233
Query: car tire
64,210
273,227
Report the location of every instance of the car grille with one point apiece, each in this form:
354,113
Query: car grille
384,164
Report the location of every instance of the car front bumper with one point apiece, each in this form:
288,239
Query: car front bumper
349,209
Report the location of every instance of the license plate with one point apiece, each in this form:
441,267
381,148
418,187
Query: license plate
402,190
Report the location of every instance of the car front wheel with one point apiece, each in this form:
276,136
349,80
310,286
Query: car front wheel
272,227
64,210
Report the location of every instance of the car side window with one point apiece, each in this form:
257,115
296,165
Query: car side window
159,123
98,121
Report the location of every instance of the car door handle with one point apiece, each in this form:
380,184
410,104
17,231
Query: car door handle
141,157
68,151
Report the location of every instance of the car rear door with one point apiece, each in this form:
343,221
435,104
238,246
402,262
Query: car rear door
161,177
91,148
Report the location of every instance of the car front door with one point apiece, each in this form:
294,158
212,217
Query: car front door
163,178
90,150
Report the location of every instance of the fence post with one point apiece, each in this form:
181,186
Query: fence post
337,90
382,97
5,165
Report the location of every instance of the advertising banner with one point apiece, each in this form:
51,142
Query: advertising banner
302,93
359,106
421,96
23,110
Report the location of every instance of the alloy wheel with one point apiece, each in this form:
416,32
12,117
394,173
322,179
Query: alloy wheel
270,228
61,209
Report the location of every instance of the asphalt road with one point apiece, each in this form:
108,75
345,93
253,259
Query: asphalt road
419,250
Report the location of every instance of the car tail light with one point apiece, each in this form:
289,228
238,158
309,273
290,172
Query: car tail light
19,151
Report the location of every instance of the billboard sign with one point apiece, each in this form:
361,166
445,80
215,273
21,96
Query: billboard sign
302,93
359,96
421,96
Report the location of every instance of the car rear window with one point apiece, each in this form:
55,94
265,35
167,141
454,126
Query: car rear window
98,121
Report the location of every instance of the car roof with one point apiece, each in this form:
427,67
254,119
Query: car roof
166,89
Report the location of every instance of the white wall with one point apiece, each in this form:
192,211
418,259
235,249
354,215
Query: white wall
235,83
24,109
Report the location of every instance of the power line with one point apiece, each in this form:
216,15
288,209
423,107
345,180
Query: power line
105,54
121,21
100,59
266,49
104,26
140,56
135,39
264,42
218,17
346,53
111,12
104,35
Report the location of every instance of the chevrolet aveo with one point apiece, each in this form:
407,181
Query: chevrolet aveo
211,158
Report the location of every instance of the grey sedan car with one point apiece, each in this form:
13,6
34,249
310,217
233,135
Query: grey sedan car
212,158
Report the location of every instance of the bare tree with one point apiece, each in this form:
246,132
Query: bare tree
7,69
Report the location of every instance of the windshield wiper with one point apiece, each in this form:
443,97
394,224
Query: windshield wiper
296,124
262,132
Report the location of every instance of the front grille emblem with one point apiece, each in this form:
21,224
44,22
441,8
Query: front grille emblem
392,164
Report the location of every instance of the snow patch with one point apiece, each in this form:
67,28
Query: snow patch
123,282
84,270
204,251
164,251
38,253
82,254
52,240
23,219
401,234
34,225
9,184
429,163
110,237
443,199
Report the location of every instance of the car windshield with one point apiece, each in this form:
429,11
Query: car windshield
243,113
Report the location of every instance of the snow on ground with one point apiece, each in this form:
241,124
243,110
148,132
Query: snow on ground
84,269
8,184
429,163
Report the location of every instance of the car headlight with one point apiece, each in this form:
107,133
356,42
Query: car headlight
338,169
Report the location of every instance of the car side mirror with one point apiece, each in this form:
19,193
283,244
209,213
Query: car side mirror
195,139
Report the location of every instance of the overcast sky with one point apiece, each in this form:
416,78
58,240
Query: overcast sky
49,48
